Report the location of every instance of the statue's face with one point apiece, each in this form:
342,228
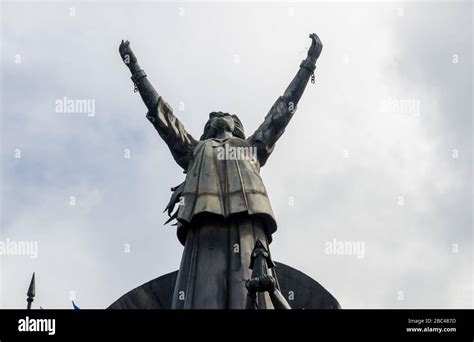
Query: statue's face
220,122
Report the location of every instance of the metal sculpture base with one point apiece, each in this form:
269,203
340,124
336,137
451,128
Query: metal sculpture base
301,292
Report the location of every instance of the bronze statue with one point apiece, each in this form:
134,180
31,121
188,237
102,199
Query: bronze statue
223,205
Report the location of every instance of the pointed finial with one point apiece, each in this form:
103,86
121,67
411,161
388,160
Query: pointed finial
31,292
74,306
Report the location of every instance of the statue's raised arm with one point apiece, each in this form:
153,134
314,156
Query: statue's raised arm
160,114
282,111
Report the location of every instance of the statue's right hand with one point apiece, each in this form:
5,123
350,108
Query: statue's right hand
316,46
127,54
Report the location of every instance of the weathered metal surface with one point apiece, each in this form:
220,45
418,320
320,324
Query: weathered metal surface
301,292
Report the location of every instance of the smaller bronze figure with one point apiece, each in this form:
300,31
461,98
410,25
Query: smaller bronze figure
261,281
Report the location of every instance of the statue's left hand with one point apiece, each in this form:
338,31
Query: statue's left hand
127,54
316,46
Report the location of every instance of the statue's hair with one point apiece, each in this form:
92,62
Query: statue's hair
237,132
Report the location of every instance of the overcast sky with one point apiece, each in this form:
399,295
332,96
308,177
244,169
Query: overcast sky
352,165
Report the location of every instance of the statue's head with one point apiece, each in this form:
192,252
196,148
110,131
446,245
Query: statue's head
223,122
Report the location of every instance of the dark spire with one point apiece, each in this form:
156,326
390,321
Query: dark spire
31,292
